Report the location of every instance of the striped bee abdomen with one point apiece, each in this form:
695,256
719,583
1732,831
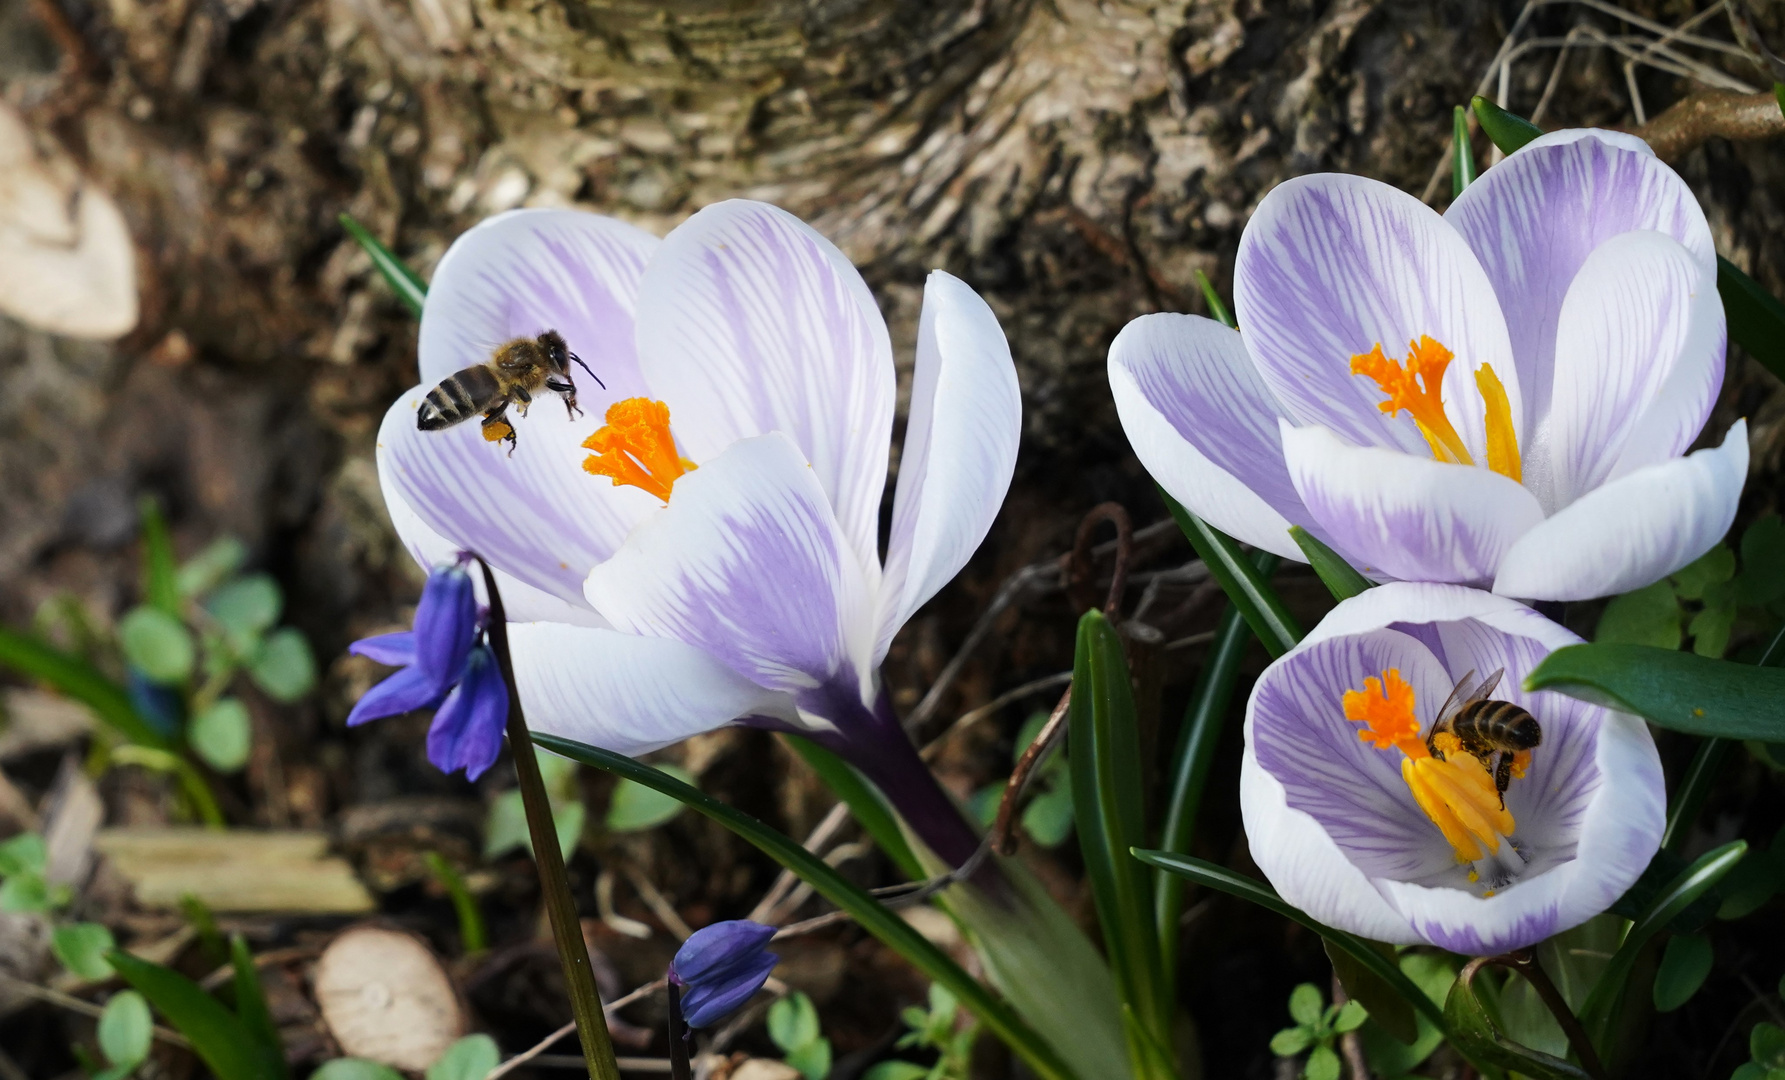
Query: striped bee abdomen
458,398
1497,724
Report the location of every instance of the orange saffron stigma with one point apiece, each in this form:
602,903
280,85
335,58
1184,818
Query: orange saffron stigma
1456,790
636,448
1417,385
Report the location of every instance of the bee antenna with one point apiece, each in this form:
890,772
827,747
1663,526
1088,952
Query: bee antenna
585,367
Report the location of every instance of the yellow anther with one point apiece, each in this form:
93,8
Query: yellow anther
636,447
1502,440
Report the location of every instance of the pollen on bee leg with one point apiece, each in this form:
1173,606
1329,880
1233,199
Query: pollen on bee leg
635,447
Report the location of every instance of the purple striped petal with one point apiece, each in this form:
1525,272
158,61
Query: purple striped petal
406,691
960,449
1408,516
1204,425
748,564
1632,531
1331,265
467,730
1533,220
1641,339
751,322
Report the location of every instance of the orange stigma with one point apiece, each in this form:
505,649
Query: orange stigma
1417,385
635,447
1385,708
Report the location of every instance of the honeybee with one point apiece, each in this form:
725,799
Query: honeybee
1486,727
513,374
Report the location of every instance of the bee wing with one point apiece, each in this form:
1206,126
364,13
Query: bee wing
1487,685
1467,689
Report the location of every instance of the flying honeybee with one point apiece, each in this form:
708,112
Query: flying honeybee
511,376
1486,727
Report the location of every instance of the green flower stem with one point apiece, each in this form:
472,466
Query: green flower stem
567,930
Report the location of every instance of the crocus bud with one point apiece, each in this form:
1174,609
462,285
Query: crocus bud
721,966
467,730
445,624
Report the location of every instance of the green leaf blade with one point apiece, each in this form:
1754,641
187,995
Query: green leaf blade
222,735
406,283
221,1041
1685,965
1675,690
635,808
82,947
1247,588
81,681
125,1029
1462,154
1473,1031
157,644
1756,317
1508,131
1340,577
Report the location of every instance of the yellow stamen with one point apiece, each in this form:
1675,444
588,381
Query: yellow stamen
1455,789
636,447
1417,386
1502,440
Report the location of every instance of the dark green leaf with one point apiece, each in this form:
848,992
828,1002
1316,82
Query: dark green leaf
1766,1045
222,735
1710,629
1756,317
883,923
79,680
219,1039
284,667
1750,885
1392,1012
865,803
251,1002
1473,1031
635,808
160,585
125,1029
355,1069
206,570
1247,587
793,1022
406,283
157,644
1762,579
1106,793
1508,130
470,1058
1225,880
1217,310
1751,1071
1340,577
1462,155
1648,616
1674,690
1684,966
82,947
1657,876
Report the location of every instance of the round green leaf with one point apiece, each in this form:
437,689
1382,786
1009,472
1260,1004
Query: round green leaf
1684,967
1766,1045
1351,1016
1323,1064
1306,1005
247,606
471,1058
156,644
355,1069
813,1060
222,735
1291,1041
81,947
23,854
125,1029
793,1022
635,807
1648,616
201,573
284,667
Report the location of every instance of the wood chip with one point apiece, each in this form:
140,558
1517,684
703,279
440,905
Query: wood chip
386,997
240,870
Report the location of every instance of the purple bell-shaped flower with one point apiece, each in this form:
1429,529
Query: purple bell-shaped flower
719,967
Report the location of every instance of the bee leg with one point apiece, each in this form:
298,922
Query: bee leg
1503,776
496,427
567,390
522,398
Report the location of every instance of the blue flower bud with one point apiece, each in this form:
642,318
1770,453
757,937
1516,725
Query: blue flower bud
722,965
467,731
445,624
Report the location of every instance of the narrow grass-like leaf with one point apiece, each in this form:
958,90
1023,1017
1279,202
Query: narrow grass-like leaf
471,933
79,680
1225,880
878,920
1462,156
1106,795
1692,791
1217,308
1247,588
1473,1031
1509,131
1756,317
221,1040
1599,1013
1679,691
406,283
1340,577
864,802
1684,966
251,1002
160,578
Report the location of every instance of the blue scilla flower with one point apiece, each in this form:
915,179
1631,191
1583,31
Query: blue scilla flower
719,967
443,667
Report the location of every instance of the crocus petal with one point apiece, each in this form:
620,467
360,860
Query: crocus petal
445,624
749,322
1534,219
521,601
720,948
467,731
1204,425
1408,516
709,1003
1331,265
960,449
1641,317
396,650
535,514
406,691
627,693
748,563
1633,531
527,271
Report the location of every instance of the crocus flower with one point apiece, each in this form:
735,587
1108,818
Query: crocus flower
710,553
443,667
719,967
1369,816
1497,397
